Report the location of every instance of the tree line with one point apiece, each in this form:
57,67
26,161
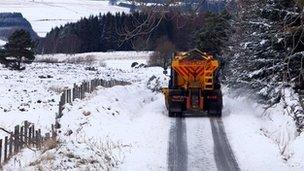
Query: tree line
113,32
107,33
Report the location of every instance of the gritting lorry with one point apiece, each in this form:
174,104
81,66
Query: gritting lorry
194,87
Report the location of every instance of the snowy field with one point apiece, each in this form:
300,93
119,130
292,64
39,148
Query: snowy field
126,127
33,94
46,14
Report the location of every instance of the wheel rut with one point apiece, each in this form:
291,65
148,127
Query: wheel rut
223,154
177,152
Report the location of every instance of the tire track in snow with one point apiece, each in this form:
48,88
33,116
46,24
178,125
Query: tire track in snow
207,147
224,157
177,151
200,144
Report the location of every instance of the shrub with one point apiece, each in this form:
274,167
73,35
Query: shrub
162,56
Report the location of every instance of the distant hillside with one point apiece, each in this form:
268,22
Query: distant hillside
211,6
9,22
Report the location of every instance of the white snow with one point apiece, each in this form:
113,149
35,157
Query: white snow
39,97
47,14
127,127
260,23
2,42
97,56
200,144
259,138
263,42
125,122
245,45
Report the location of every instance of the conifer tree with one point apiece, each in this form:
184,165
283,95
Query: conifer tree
20,48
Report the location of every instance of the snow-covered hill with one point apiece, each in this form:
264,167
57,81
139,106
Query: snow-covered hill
46,14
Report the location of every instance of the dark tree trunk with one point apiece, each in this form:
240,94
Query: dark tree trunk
19,63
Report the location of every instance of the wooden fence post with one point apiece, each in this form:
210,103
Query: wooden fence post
78,92
57,124
91,86
5,148
38,139
69,96
85,87
95,84
16,140
82,91
26,132
30,136
21,137
33,135
10,149
54,134
61,104
59,110
88,86
74,92
62,98
47,136
66,97
0,152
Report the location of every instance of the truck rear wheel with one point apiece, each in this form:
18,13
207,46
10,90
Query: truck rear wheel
214,113
175,114
218,113
171,114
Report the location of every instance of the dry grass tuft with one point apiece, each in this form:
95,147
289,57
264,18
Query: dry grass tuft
48,60
49,144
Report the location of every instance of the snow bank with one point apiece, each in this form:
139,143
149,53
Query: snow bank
261,140
115,57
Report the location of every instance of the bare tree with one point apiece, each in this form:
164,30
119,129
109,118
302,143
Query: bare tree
156,13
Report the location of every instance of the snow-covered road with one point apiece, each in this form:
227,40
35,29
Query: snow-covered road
223,154
199,144
177,148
